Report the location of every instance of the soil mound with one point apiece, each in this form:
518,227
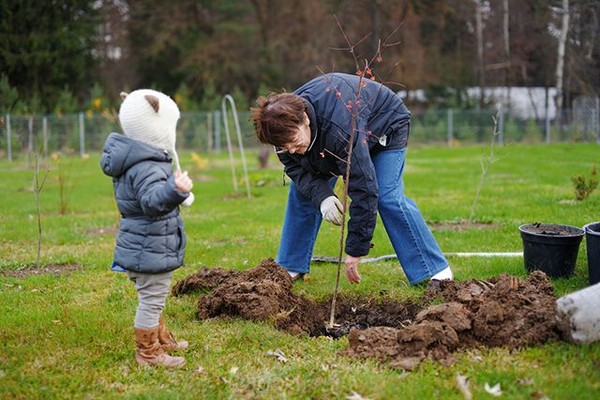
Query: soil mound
504,311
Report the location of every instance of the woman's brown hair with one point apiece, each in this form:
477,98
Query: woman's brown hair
276,116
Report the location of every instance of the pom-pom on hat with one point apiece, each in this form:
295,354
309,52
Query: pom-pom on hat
150,117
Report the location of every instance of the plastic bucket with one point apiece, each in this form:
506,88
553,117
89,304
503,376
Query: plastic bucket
551,248
592,242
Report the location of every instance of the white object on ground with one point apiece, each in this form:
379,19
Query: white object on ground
578,314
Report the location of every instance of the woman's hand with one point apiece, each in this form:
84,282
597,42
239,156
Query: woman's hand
332,209
352,269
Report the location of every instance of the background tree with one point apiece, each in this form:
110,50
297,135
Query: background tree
114,62
582,67
45,46
210,48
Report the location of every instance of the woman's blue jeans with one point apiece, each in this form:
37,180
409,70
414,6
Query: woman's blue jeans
417,250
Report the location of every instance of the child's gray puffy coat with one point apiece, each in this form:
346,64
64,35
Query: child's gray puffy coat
151,238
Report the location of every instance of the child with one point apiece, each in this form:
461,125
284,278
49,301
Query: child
151,240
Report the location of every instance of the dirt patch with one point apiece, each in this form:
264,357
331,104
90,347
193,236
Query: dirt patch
55,269
461,225
503,311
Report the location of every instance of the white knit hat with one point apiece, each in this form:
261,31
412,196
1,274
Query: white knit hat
151,117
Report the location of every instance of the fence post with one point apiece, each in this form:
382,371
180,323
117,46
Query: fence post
81,135
217,116
45,136
209,130
597,119
8,143
29,138
547,128
450,127
501,125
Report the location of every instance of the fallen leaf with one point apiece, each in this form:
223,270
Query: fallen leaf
356,396
327,366
494,390
277,354
462,382
200,370
525,381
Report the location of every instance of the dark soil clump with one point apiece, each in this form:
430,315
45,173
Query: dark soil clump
504,311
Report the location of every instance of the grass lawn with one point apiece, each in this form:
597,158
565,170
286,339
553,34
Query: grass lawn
70,335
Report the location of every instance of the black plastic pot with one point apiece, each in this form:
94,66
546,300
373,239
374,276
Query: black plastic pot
551,248
592,242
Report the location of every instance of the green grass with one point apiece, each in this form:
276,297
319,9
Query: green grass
71,335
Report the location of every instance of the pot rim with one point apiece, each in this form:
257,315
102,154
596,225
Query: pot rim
587,228
574,231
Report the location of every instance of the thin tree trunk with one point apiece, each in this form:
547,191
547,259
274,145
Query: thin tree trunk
479,31
37,189
560,62
506,36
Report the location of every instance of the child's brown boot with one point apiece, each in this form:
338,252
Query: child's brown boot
167,339
150,352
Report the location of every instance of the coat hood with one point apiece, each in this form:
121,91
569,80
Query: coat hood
121,152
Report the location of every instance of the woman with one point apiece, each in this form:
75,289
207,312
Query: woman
311,130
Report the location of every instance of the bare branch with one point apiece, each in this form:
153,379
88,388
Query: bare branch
385,42
336,156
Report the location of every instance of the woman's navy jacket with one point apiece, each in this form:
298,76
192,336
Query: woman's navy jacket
338,104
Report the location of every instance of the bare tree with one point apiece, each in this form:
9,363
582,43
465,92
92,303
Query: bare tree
480,68
486,162
506,37
364,71
38,185
560,61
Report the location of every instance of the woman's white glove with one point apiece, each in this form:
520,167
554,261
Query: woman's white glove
332,209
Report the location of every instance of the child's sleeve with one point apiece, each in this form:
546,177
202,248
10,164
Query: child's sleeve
156,191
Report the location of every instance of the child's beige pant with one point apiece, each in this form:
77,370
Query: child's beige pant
152,290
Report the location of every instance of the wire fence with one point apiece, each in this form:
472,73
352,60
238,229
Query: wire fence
22,136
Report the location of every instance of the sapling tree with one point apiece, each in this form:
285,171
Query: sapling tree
353,105
38,185
585,186
486,162
62,183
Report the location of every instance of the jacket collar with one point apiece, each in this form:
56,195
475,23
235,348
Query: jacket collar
314,130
